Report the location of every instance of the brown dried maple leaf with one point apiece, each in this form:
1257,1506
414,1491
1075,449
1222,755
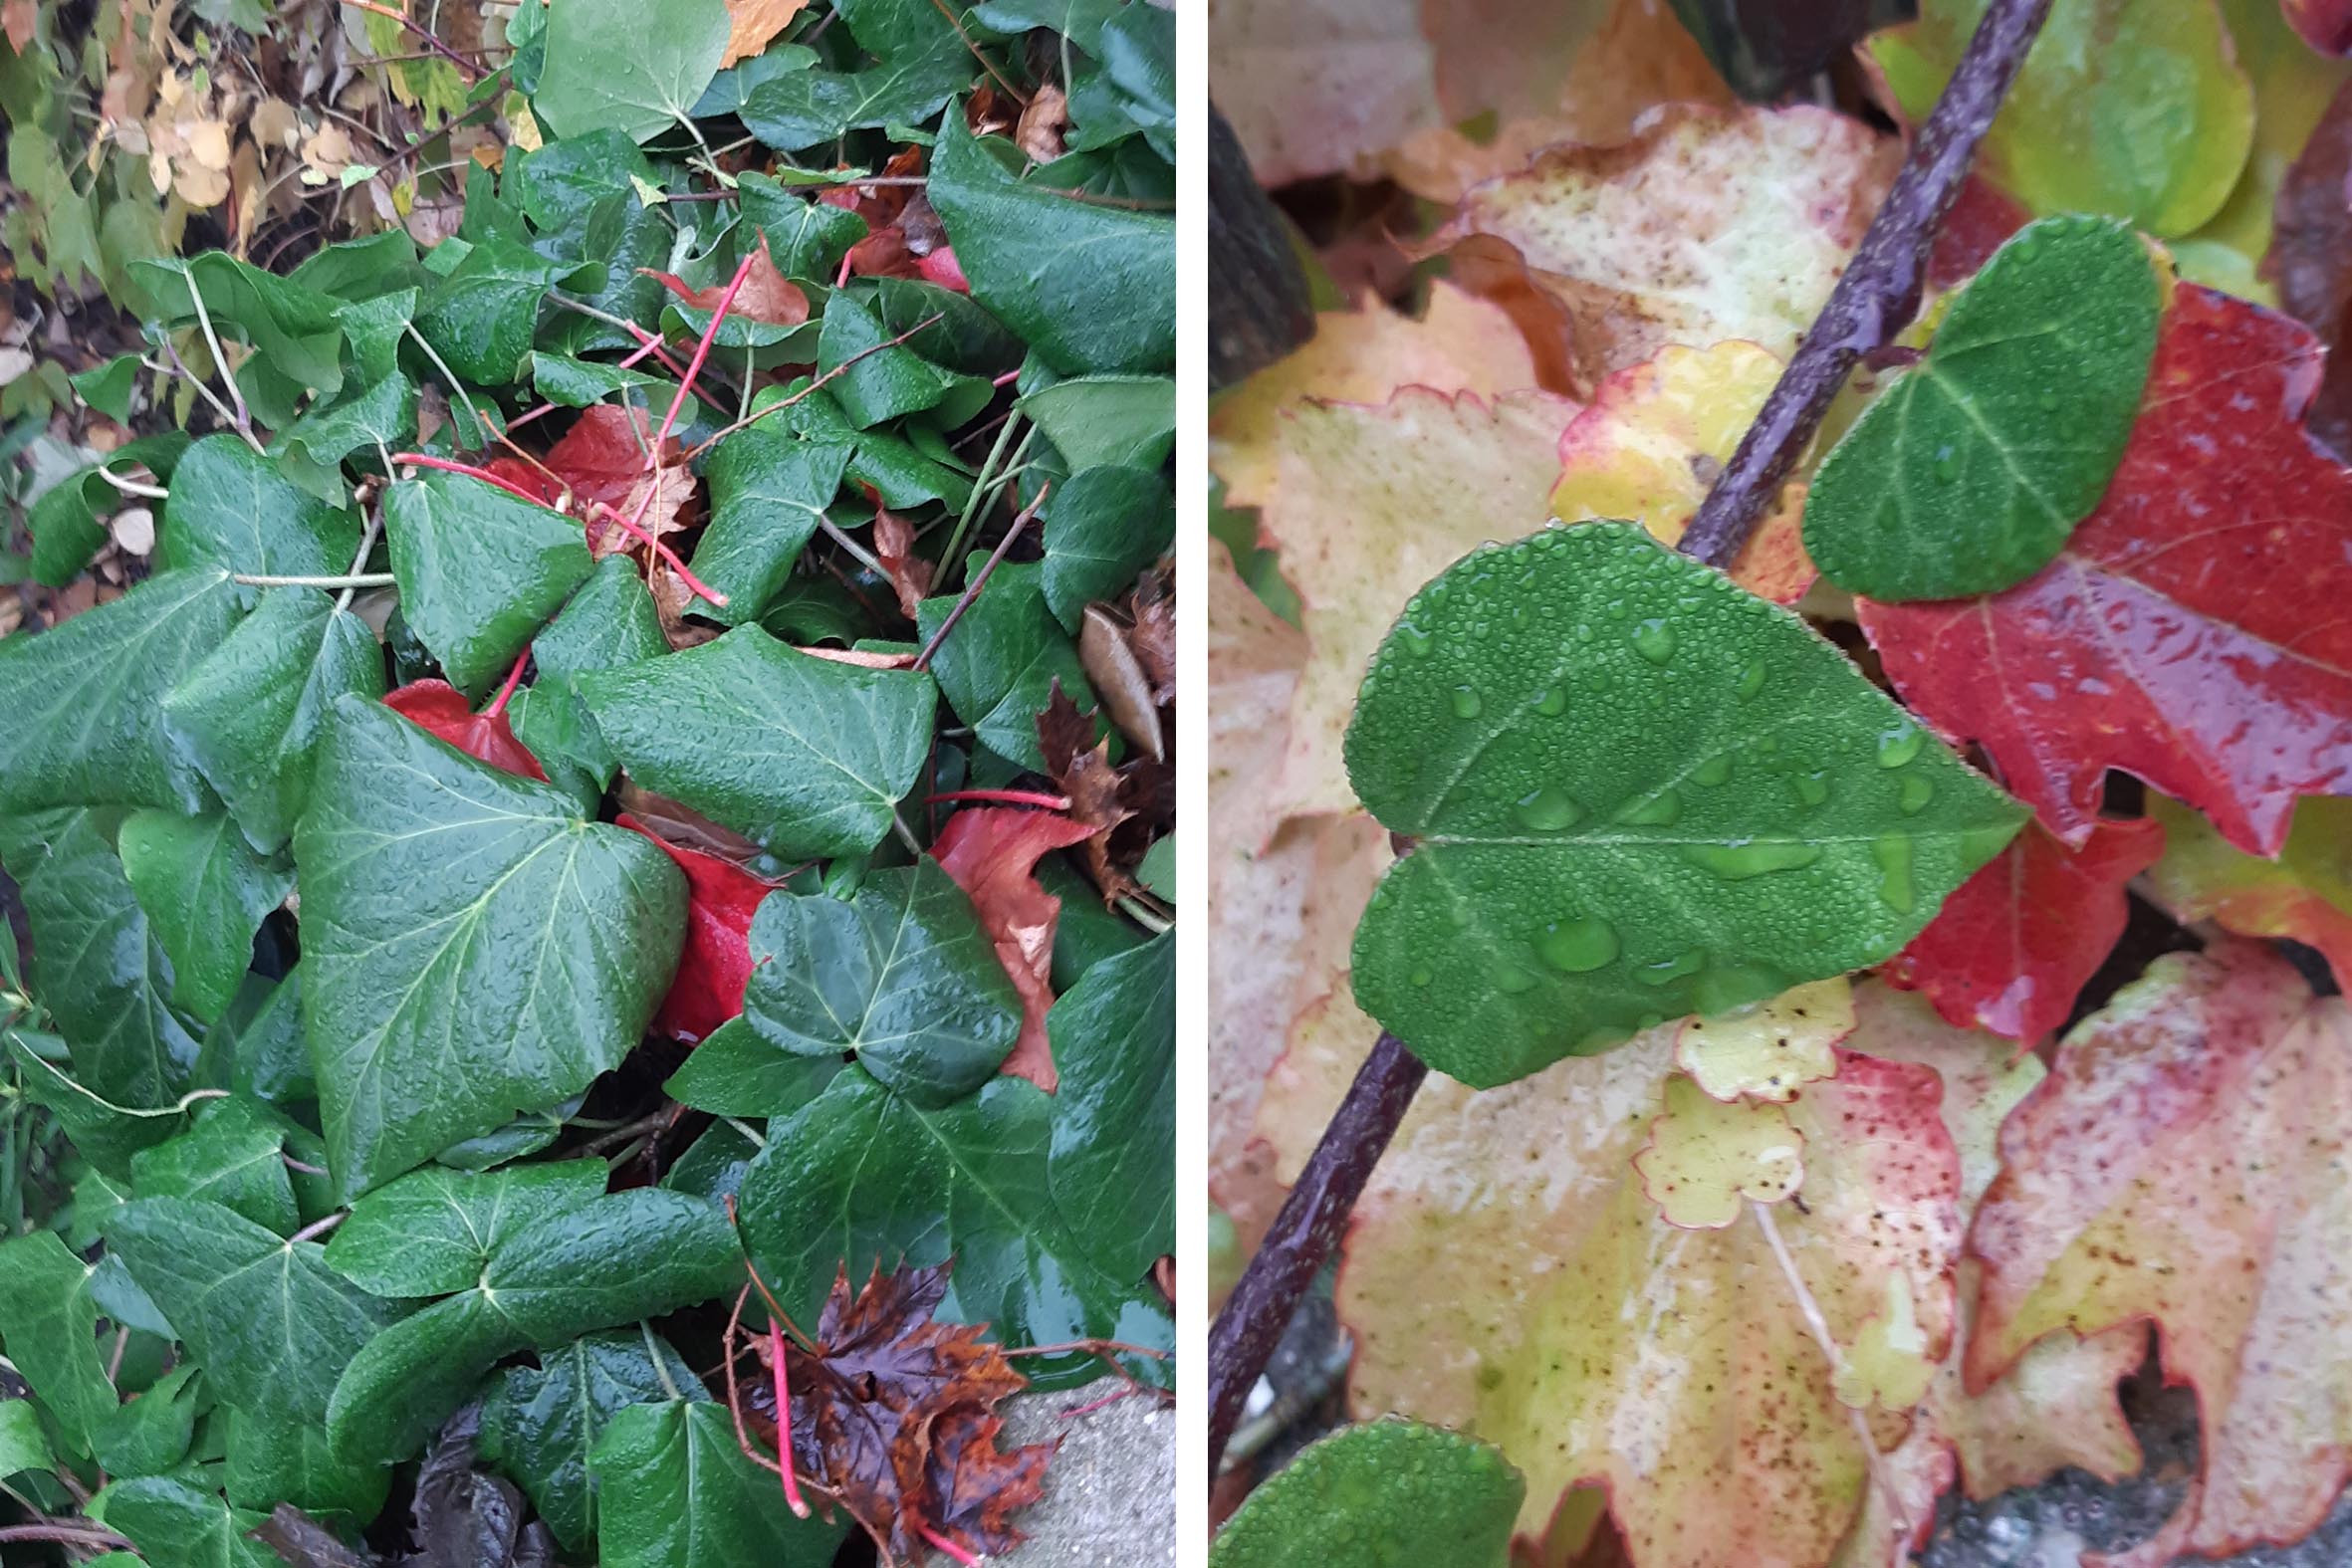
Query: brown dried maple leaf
766,295
893,1414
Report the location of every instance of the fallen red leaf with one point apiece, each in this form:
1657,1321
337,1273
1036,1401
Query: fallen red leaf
2192,630
2311,258
766,295
716,962
2011,948
602,459
1081,765
893,1413
992,853
440,708
1981,219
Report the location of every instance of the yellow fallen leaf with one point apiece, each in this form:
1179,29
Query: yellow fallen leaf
1707,1159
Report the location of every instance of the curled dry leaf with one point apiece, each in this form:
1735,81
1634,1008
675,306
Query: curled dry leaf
1119,679
753,24
1038,132
992,853
765,295
909,574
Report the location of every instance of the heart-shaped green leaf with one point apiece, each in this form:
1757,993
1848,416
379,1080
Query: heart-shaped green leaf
1968,475
614,63
674,1490
234,1156
471,948
1103,526
49,1325
1638,791
205,892
767,492
1383,1494
902,977
999,665
736,1072
250,713
479,571
151,1433
231,509
174,1526
1113,1159
431,1233
807,756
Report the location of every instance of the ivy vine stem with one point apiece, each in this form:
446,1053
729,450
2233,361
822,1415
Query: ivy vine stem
1873,300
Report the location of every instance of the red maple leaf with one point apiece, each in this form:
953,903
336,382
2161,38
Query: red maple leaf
2193,631
893,1414
2011,948
716,962
993,852
442,708
766,295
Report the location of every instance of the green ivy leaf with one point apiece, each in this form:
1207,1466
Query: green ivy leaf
1638,792
271,1460
104,1133
151,1434
271,1325
1970,472
471,948
767,492
98,966
49,1329
797,109
268,1056
736,1072
297,340
805,239
79,706
1103,526
876,382
675,1491
310,451
24,1446
539,1424
998,667
1090,287
1112,1162
107,385
206,893
479,571
481,317
174,1526
432,1232
863,1176
231,509
234,1156
618,1259
1096,420
902,978
610,622
1383,1494
612,63
805,756
250,713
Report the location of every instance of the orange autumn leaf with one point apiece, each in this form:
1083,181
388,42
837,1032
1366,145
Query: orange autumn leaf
993,853
753,24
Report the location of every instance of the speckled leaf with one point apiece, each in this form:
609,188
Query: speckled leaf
49,1330
2305,894
249,714
611,62
767,491
1113,1153
1103,524
205,892
271,1325
80,707
1967,475
900,977
2132,107
231,509
471,948
1384,1494
540,1423
2183,1163
807,756
479,571
999,665
1772,1051
432,1232
1638,791
863,1176
1708,1159
675,1491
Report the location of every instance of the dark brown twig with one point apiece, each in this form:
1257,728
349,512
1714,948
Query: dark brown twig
1875,299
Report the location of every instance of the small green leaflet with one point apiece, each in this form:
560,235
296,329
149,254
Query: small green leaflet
1380,1494
863,1176
877,382
540,1423
1108,419
481,317
1114,1156
151,1433
807,756
23,1444
1103,524
619,64
1968,475
1638,791
479,571
767,491
205,892
610,621
676,1492
250,714
312,450
736,1072
471,948
271,1325
431,1233
612,1260
49,1329
81,719
998,667
902,977
231,509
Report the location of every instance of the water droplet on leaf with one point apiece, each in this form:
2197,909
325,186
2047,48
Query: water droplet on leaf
1576,946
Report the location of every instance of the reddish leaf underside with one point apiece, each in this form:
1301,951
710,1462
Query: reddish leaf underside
716,962
2011,948
992,853
440,708
2193,631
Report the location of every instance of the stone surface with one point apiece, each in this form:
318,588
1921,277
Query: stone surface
1110,1493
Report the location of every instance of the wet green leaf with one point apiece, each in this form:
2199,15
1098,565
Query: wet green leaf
1638,791
767,492
1096,420
612,63
272,1460
540,1423
877,382
471,948
999,665
234,1156
49,1330
205,892
805,756
678,1491
481,317
479,571
23,1444
174,1526
1103,526
432,1232
231,509
1382,1495
297,340
311,452
736,1072
794,110
151,1434
1112,1163
1970,472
